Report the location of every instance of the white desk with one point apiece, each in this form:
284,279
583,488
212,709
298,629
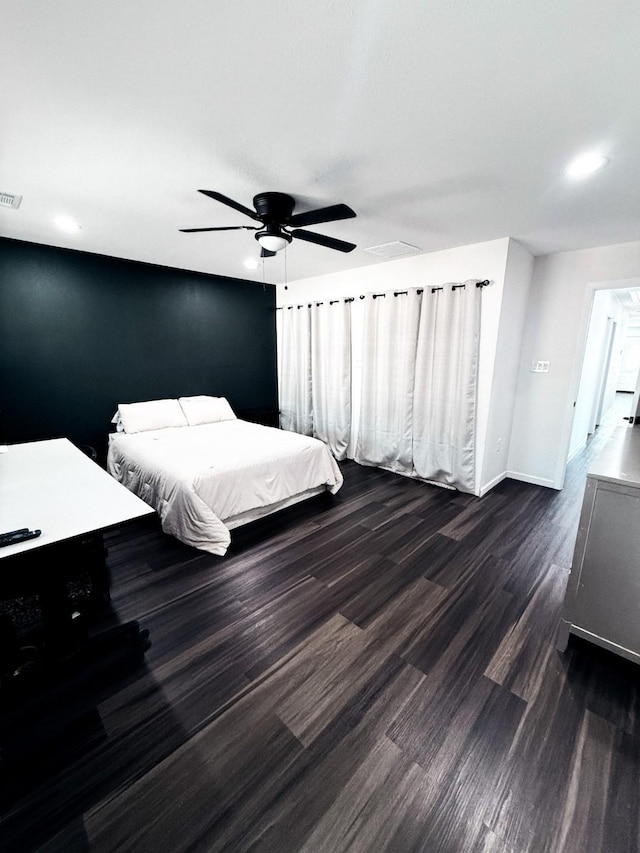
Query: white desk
54,487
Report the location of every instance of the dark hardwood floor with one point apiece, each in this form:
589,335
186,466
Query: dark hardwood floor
371,672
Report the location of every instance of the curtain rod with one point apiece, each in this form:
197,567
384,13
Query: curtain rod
483,283
309,304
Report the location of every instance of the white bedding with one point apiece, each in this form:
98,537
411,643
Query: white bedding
199,478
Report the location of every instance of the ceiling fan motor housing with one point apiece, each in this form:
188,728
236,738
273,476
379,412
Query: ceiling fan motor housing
274,207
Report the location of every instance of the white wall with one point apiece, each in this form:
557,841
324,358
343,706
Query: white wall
557,324
480,260
513,313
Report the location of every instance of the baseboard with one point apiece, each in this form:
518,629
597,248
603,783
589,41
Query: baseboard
492,483
535,481
577,450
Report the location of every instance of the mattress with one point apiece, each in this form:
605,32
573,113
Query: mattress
203,480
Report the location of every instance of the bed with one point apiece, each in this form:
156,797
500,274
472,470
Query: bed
206,471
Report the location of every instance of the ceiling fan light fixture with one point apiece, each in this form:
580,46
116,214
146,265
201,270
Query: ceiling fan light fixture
273,239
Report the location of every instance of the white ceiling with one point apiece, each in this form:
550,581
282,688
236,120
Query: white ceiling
440,123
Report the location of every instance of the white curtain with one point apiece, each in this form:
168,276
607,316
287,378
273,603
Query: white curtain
445,389
388,364
294,369
419,380
331,374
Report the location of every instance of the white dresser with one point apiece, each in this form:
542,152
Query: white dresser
602,601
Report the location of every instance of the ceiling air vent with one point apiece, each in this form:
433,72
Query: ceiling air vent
8,200
393,250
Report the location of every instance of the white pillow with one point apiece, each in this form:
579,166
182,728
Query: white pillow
206,410
153,414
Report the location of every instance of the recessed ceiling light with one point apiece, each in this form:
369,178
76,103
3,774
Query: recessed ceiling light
586,164
252,263
66,223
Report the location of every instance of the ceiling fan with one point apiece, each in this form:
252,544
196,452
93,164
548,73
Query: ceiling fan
279,224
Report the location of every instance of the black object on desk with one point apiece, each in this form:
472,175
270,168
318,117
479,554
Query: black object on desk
15,536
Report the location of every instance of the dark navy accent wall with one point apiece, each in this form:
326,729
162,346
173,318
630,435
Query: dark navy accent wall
80,333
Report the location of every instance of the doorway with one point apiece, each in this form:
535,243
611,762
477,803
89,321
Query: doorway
615,318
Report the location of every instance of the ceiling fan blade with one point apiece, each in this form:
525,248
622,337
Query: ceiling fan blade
322,214
265,253
222,228
321,240
230,202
